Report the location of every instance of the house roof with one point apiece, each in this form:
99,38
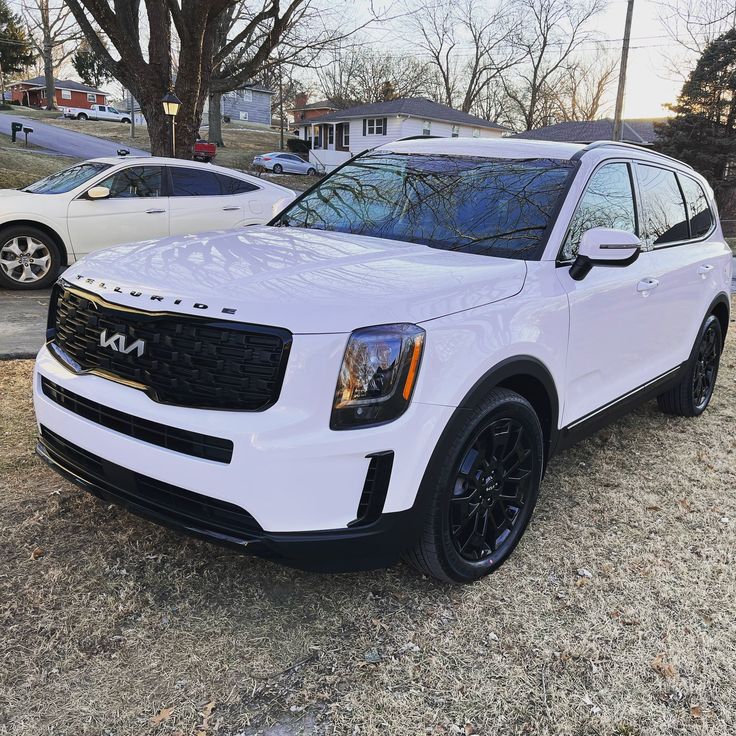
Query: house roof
640,131
259,88
319,105
415,107
40,83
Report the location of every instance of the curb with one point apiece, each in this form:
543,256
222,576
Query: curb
17,356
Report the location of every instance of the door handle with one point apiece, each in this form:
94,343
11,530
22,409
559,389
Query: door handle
705,269
647,285
230,209
154,212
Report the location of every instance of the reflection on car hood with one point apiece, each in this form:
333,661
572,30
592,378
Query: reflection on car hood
305,280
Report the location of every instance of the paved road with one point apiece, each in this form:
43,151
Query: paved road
66,142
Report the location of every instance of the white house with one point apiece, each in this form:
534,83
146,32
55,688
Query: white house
339,135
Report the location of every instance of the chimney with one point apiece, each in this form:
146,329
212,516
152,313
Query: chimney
301,99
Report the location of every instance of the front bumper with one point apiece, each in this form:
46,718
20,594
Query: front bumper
300,482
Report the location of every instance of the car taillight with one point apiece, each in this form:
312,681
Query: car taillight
266,158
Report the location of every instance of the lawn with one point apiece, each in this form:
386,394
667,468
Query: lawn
615,617
19,166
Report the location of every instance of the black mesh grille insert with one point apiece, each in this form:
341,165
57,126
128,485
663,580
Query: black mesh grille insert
180,440
183,360
164,501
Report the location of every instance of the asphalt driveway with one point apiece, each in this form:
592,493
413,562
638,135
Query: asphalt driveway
66,142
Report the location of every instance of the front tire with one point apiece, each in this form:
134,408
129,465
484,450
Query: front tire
29,258
81,116
485,492
125,121
311,172
690,397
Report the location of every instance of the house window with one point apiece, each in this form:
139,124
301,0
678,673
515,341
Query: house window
455,131
243,115
91,98
374,126
66,94
346,135
43,94
330,134
427,127
247,95
476,132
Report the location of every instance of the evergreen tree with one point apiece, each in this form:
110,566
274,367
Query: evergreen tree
16,52
90,69
703,130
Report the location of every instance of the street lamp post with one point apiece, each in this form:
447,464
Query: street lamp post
171,105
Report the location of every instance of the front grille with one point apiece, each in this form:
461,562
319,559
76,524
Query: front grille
163,501
180,440
186,361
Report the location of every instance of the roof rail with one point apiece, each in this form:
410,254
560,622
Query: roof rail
629,146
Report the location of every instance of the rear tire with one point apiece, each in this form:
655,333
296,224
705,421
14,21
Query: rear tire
277,168
125,121
81,116
484,494
311,172
690,397
29,258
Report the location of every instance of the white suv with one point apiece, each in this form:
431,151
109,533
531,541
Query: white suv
386,368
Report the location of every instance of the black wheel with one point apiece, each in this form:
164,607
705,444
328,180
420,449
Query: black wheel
125,121
81,116
690,397
277,168
29,258
485,493
311,172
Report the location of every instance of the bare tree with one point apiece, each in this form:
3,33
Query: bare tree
581,91
445,29
54,33
357,75
191,27
551,32
693,24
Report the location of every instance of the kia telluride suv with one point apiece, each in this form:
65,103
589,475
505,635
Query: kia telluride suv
385,369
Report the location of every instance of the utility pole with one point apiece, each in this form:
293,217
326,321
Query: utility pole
281,104
622,73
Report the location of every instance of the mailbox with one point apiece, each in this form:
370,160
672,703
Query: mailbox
15,128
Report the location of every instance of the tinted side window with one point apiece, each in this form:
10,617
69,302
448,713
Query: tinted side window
701,218
608,201
231,185
194,182
665,220
136,181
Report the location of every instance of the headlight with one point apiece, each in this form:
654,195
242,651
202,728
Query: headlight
378,374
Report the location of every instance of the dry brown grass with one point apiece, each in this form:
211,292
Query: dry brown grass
118,619
20,166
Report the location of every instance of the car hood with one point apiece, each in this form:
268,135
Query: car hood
307,281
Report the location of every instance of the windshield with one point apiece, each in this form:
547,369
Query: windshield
66,180
488,206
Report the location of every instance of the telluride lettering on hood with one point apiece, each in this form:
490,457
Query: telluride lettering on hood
385,369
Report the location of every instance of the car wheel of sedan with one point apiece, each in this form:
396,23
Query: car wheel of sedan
311,172
484,495
277,168
690,397
81,116
125,121
29,258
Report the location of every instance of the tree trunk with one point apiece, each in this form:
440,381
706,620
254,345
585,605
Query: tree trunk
48,73
215,120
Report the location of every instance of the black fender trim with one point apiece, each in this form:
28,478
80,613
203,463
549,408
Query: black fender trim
721,300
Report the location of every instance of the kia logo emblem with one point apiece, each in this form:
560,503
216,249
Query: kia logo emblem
118,343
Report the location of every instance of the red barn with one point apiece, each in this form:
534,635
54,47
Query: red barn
32,93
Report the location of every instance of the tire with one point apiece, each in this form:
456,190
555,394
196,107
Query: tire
311,172
81,116
125,121
277,168
690,397
41,265
496,450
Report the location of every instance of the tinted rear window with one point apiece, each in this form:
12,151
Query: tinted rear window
699,214
194,182
664,210
231,185
497,207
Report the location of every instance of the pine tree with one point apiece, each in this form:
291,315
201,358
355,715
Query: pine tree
703,130
90,69
16,52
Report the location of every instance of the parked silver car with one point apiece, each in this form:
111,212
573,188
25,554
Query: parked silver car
280,162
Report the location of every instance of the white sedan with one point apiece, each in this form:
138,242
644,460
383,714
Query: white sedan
108,201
